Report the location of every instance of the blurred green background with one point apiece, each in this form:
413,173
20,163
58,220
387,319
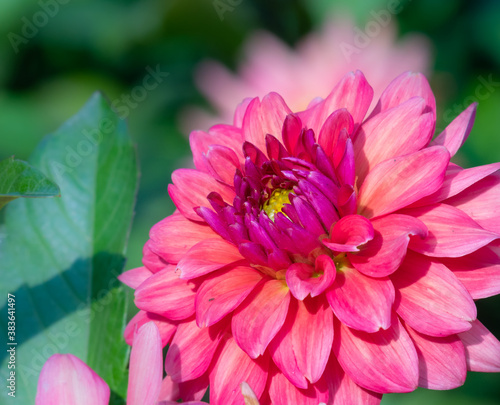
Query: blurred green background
89,45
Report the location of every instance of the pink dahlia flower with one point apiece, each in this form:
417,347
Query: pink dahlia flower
310,70
325,256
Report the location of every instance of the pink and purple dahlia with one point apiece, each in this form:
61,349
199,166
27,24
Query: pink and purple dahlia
325,256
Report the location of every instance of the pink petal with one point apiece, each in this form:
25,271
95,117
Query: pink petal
343,390
191,351
347,200
353,93
398,182
225,135
303,279
455,134
482,349
283,392
292,128
207,256
403,88
329,135
65,379
192,390
223,293
441,361
398,131
346,169
166,327
191,188
264,117
173,236
233,367
223,163
185,403
480,202
361,302
383,255
385,361
200,141
169,390
456,180
452,233
479,271
261,316
302,346
146,367
274,148
248,394
430,298
282,350
134,278
349,233
239,112
312,337
150,259
166,294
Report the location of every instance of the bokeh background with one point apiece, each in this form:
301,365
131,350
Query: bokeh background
109,45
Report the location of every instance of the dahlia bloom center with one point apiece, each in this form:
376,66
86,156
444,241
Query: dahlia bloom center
287,200
274,204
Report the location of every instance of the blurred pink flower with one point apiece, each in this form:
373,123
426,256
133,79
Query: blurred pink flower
309,71
325,256
66,380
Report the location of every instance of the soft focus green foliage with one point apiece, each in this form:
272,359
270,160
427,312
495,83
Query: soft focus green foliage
19,179
61,256
109,45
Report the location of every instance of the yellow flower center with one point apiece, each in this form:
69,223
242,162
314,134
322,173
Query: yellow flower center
341,262
275,203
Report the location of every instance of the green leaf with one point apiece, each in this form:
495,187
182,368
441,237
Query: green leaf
19,179
359,10
60,257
